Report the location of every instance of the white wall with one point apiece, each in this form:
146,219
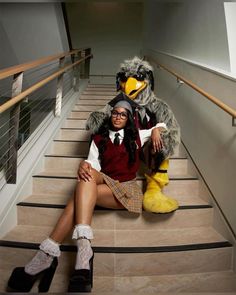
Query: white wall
29,31
230,14
113,30
192,29
190,32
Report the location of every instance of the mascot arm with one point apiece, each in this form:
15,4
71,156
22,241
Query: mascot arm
96,118
171,136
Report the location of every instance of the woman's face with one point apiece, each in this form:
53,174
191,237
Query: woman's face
119,117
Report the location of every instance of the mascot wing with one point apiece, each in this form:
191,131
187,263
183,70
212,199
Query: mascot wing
163,112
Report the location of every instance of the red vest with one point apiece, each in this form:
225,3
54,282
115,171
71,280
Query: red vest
114,161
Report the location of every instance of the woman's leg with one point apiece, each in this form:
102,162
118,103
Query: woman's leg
65,223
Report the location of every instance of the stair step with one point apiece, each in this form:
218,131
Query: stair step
79,114
222,281
126,264
55,164
78,147
124,238
65,184
89,108
97,102
96,97
106,280
60,201
110,219
100,86
74,123
70,134
99,92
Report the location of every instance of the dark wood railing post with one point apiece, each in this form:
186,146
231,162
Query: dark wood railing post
87,63
76,71
59,92
85,67
11,169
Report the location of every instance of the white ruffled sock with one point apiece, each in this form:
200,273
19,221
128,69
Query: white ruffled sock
44,257
83,233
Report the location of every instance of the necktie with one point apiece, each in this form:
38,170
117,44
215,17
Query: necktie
117,140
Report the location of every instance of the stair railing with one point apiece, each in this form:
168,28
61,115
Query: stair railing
182,80
29,92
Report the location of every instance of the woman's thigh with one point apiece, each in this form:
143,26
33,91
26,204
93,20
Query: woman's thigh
105,198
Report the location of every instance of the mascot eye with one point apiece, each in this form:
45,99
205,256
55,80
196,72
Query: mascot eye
140,76
121,77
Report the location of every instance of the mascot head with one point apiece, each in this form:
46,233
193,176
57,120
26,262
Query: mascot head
135,79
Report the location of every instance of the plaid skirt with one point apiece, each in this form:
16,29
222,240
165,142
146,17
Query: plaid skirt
128,193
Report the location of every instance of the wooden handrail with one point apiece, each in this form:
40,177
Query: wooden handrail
39,84
212,98
30,65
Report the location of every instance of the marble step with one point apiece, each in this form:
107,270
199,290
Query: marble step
79,114
64,185
45,215
74,123
95,101
70,165
97,91
75,135
101,86
131,266
88,108
221,281
61,200
71,147
124,238
101,98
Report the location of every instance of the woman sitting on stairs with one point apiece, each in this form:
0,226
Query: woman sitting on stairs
106,179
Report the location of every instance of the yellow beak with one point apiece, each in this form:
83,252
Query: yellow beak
132,87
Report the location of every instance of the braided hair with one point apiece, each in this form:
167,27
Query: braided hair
130,137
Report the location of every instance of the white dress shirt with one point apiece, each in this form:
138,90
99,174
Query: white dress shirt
144,136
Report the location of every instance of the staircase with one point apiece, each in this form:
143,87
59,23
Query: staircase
175,252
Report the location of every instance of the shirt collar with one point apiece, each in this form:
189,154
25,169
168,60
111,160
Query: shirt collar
112,133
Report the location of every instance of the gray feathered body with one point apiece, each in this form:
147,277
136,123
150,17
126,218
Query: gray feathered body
147,100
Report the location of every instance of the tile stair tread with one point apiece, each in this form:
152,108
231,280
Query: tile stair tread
62,200
209,281
221,281
57,174
124,238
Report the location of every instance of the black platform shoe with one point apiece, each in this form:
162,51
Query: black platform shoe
82,279
20,281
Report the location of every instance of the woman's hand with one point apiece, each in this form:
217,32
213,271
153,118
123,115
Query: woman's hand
157,142
84,171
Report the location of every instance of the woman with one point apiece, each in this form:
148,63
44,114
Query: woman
106,179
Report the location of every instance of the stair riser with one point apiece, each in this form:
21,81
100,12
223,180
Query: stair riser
121,220
97,102
81,124
100,92
154,263
177,167
98,97
70,148
65,186
74,148
91,108
65,134
108,269
124,238
79,115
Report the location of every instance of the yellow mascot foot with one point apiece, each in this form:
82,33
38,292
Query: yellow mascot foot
157,202
154,200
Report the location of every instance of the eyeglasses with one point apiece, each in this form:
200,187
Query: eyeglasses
123,115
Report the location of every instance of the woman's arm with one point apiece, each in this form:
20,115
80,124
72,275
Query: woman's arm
155,134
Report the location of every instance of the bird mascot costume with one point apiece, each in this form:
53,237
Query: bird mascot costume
136,84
